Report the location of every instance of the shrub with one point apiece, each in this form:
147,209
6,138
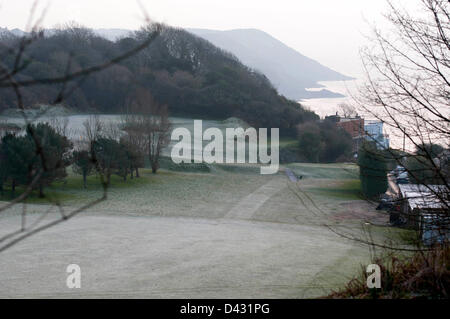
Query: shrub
323,142
372,170
424,275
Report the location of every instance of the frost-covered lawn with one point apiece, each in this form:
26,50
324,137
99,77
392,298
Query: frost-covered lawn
196,193
325,171
229,232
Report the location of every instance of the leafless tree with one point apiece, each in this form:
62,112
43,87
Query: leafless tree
60,125
111,130
93,128
347,110
408,88
147,123
134,140
10,78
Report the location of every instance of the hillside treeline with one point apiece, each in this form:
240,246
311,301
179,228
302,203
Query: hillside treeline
188,74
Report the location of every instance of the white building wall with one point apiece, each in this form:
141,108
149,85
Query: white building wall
375,133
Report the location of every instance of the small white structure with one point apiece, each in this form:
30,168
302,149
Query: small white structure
375,133
426,209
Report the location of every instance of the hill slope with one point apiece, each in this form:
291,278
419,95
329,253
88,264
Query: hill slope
189,74
289,71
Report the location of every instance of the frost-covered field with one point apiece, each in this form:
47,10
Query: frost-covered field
75,128
227,233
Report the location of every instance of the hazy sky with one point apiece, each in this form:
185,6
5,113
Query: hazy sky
329,31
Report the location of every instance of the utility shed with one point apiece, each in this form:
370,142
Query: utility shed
426,209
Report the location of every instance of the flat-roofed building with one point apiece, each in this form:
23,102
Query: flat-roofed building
426,209
375,133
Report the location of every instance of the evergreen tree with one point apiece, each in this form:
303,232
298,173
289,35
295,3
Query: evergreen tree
422,170
82,164
429,150
17,160
372,169
106,151
134,153
51,154
323,142
123,161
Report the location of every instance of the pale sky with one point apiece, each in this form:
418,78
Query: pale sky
328,31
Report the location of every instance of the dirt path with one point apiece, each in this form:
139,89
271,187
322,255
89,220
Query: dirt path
246,207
